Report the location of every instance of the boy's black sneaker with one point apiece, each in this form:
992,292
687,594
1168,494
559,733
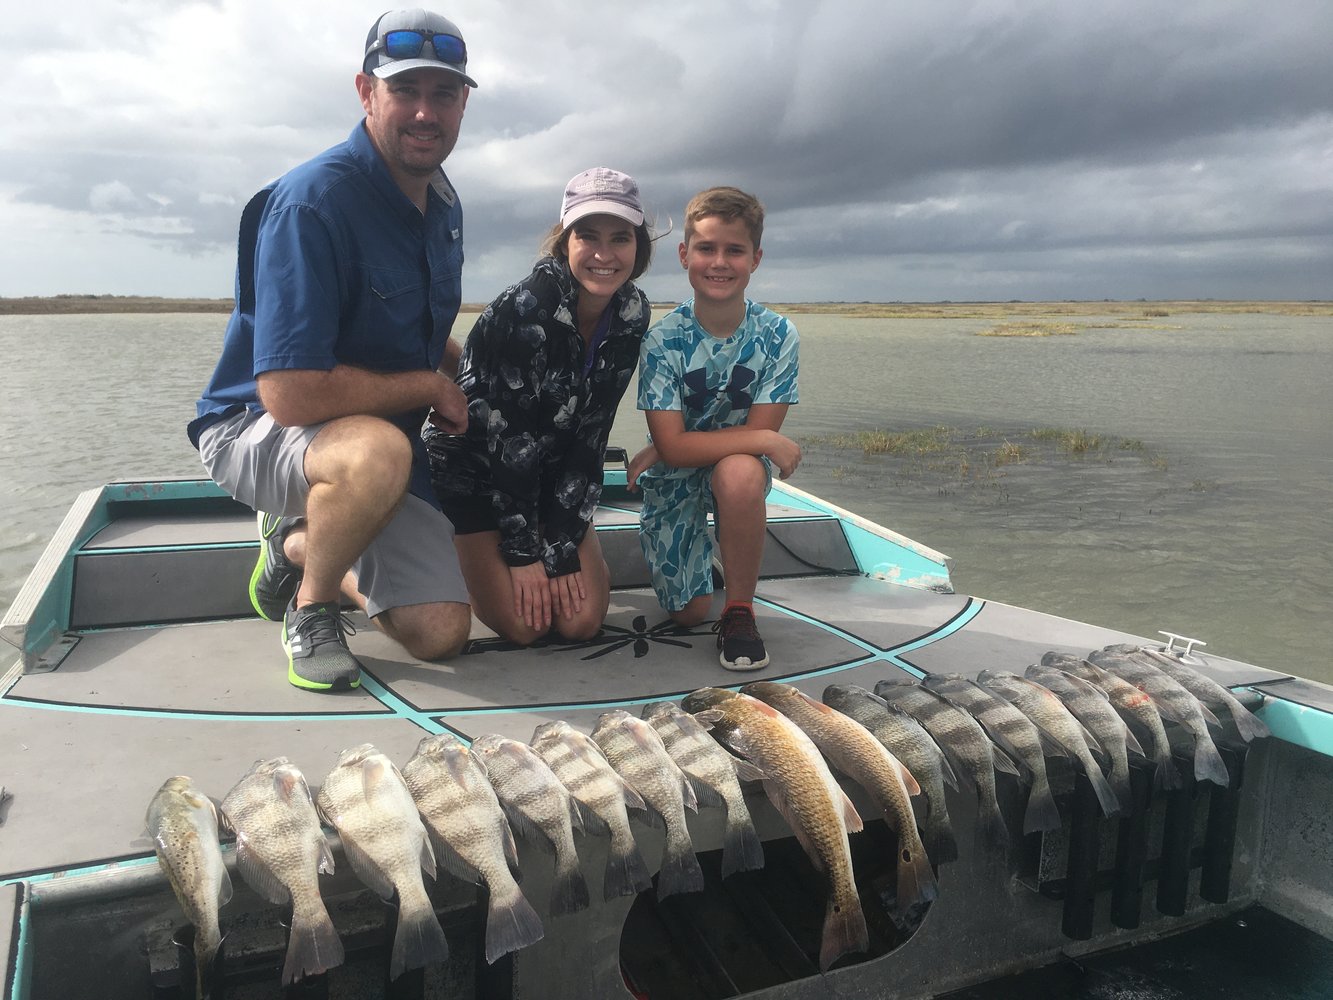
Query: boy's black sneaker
738,641
275,578
315,637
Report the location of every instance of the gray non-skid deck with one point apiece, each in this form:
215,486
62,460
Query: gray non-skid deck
132,703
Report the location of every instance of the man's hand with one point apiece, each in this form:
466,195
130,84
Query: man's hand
785,454
449,408
638,465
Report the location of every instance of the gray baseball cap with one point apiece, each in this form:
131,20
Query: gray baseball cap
601,191
402,40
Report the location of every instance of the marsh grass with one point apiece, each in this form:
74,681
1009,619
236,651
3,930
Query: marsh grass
1030,330
1006,310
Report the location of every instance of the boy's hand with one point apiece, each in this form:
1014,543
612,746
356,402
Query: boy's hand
785,454
638,465
532,595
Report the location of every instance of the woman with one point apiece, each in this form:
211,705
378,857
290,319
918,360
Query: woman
544,369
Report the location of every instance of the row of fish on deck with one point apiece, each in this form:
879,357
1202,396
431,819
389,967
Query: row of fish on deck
460,806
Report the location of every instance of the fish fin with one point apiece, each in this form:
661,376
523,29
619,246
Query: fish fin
626,872
1208,763
1249,725
1209,716
747,771
510,848
1132,743
1170,712
569,889
957,767
709,717
1005,763
577,813
1090,738
633,800
844,931
257,874
1041,813
452,862
1050,746
680,872
312,947
366,869
706,794
909,779
419,941
224,888
1106,796
850,816
511,924
325,864
687,792
742,850
427,855
1167,776
526,828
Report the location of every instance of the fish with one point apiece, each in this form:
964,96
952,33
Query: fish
804,791
539,808
1091,706
367,801
1175,703
1048,713
606,797
1132,704
471,836
963,742
716,776
905,738
1015,734
183,823
855,751
280,851
639,756
1248,725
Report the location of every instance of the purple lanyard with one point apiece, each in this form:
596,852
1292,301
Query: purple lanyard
598,335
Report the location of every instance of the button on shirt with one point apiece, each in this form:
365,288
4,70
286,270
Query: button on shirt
338,266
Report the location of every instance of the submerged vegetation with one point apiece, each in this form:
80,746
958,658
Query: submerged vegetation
952,459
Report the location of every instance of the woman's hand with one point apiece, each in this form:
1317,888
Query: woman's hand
532,595
568,593
638,465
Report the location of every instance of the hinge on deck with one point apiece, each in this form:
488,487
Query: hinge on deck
52,656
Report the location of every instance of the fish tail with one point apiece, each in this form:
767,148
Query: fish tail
1167,776
1208,763
916,879
680,868
741,849
207,967
313,945
626,872
1249,725
511,924
990,822
569,893
938,836
844,930
1042,813
419,941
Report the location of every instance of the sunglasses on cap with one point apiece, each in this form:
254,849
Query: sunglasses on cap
407,43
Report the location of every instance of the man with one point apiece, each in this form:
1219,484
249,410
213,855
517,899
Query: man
348,284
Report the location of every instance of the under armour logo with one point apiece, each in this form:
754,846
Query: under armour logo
737,390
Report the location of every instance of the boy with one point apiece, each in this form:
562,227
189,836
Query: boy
716,376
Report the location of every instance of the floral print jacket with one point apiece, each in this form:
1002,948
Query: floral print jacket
540,408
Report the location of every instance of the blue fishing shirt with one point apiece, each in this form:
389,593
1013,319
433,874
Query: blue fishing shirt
336,265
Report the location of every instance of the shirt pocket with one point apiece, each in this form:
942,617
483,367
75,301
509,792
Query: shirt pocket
393,324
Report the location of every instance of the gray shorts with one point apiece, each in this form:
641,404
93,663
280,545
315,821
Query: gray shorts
412,561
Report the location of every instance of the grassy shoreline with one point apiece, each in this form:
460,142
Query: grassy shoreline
69,304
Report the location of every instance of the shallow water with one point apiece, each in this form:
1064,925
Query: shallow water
1213,524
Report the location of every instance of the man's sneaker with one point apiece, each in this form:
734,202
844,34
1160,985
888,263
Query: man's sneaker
315,638
738,640
275,578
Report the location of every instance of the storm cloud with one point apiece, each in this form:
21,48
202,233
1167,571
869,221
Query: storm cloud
988,150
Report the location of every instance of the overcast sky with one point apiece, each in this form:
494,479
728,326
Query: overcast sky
1013,149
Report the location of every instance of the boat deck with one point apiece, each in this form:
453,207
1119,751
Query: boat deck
143,659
